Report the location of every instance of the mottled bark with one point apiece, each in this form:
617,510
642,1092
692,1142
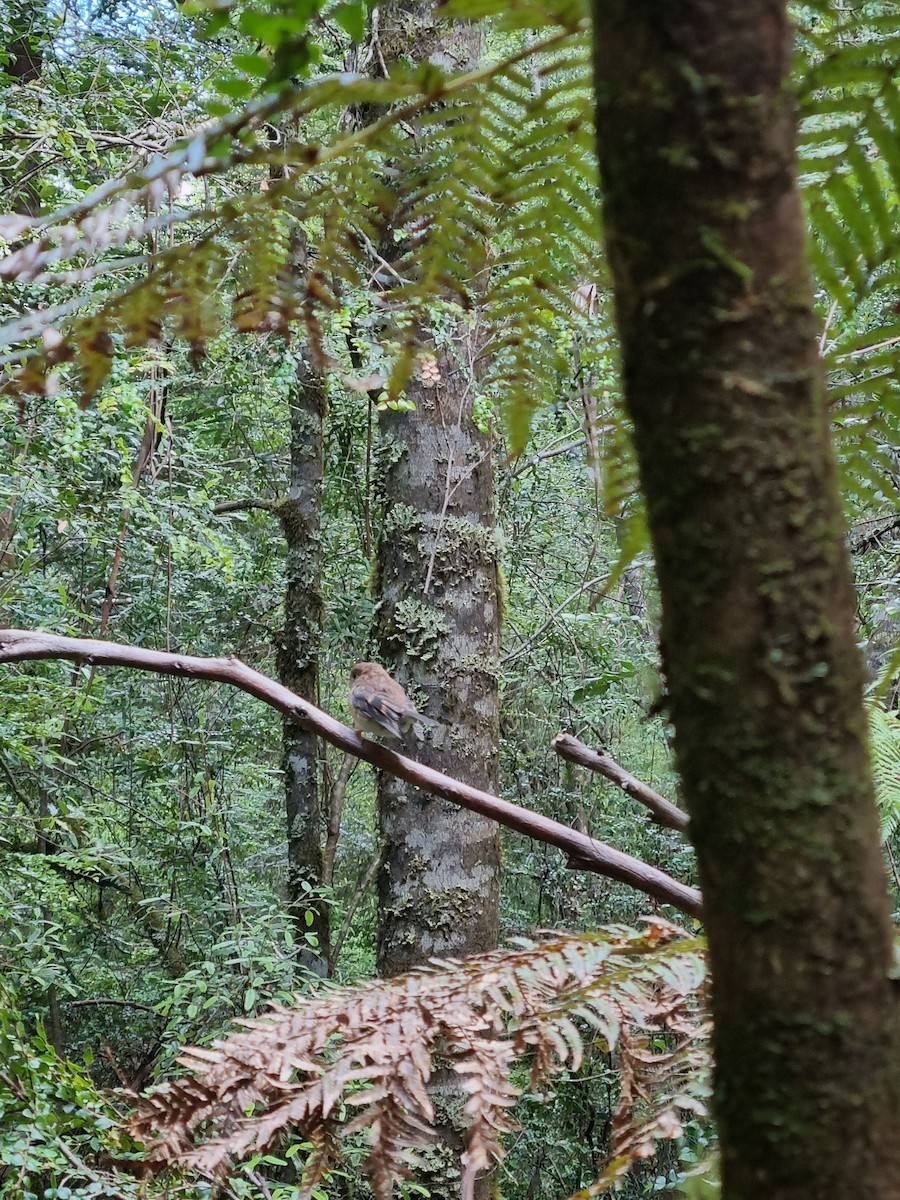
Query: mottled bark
437,621
298,662
439,882
705,233
437,628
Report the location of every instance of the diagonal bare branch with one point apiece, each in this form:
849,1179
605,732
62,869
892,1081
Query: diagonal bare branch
664,811
582,852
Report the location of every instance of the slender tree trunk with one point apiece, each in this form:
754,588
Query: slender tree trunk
705,233
28,32
298,663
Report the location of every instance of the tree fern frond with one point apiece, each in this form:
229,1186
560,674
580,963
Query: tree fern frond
850,159
474,177
884,735
373,1047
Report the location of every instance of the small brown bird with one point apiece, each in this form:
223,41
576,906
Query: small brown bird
379,704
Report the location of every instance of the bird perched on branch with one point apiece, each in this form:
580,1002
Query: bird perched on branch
380,705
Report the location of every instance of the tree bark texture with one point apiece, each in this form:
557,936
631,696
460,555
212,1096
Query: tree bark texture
439,884
437,621
705,233
437,627
298,662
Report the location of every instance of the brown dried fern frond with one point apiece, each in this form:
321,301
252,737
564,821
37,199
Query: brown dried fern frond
374,1047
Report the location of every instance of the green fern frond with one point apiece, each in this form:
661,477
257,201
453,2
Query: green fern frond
490,182
850,157
884,735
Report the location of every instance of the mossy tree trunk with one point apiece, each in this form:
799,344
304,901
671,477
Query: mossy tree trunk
437,628
298,663
437,620
705,232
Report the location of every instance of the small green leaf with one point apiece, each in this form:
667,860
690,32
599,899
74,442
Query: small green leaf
352,19
252,64
232,85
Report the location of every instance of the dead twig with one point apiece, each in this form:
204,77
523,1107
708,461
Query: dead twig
663,811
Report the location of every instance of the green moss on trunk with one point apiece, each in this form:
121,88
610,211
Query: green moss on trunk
722,380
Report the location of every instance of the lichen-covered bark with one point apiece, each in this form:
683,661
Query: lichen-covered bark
439,884
437,628
705,234
298,661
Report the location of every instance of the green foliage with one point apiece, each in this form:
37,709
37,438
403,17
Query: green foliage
884,733
476,193
850,163
54,1123
142,843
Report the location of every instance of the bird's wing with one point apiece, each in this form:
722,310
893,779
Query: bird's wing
373,704
417,716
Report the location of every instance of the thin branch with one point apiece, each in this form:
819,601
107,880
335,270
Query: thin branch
335,811
560,608
563,445
14,787
361,888
109,1187
664,811
872,537
582,852
230,506
101,1000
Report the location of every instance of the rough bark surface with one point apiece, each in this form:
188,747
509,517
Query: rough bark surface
298,662
439,884
437,622
705,233
437,627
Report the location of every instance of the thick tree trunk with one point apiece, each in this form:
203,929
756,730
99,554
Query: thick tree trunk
437,628
298,663
437,620
706,239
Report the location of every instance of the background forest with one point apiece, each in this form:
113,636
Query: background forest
209,370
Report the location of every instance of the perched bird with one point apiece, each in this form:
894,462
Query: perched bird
379,704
